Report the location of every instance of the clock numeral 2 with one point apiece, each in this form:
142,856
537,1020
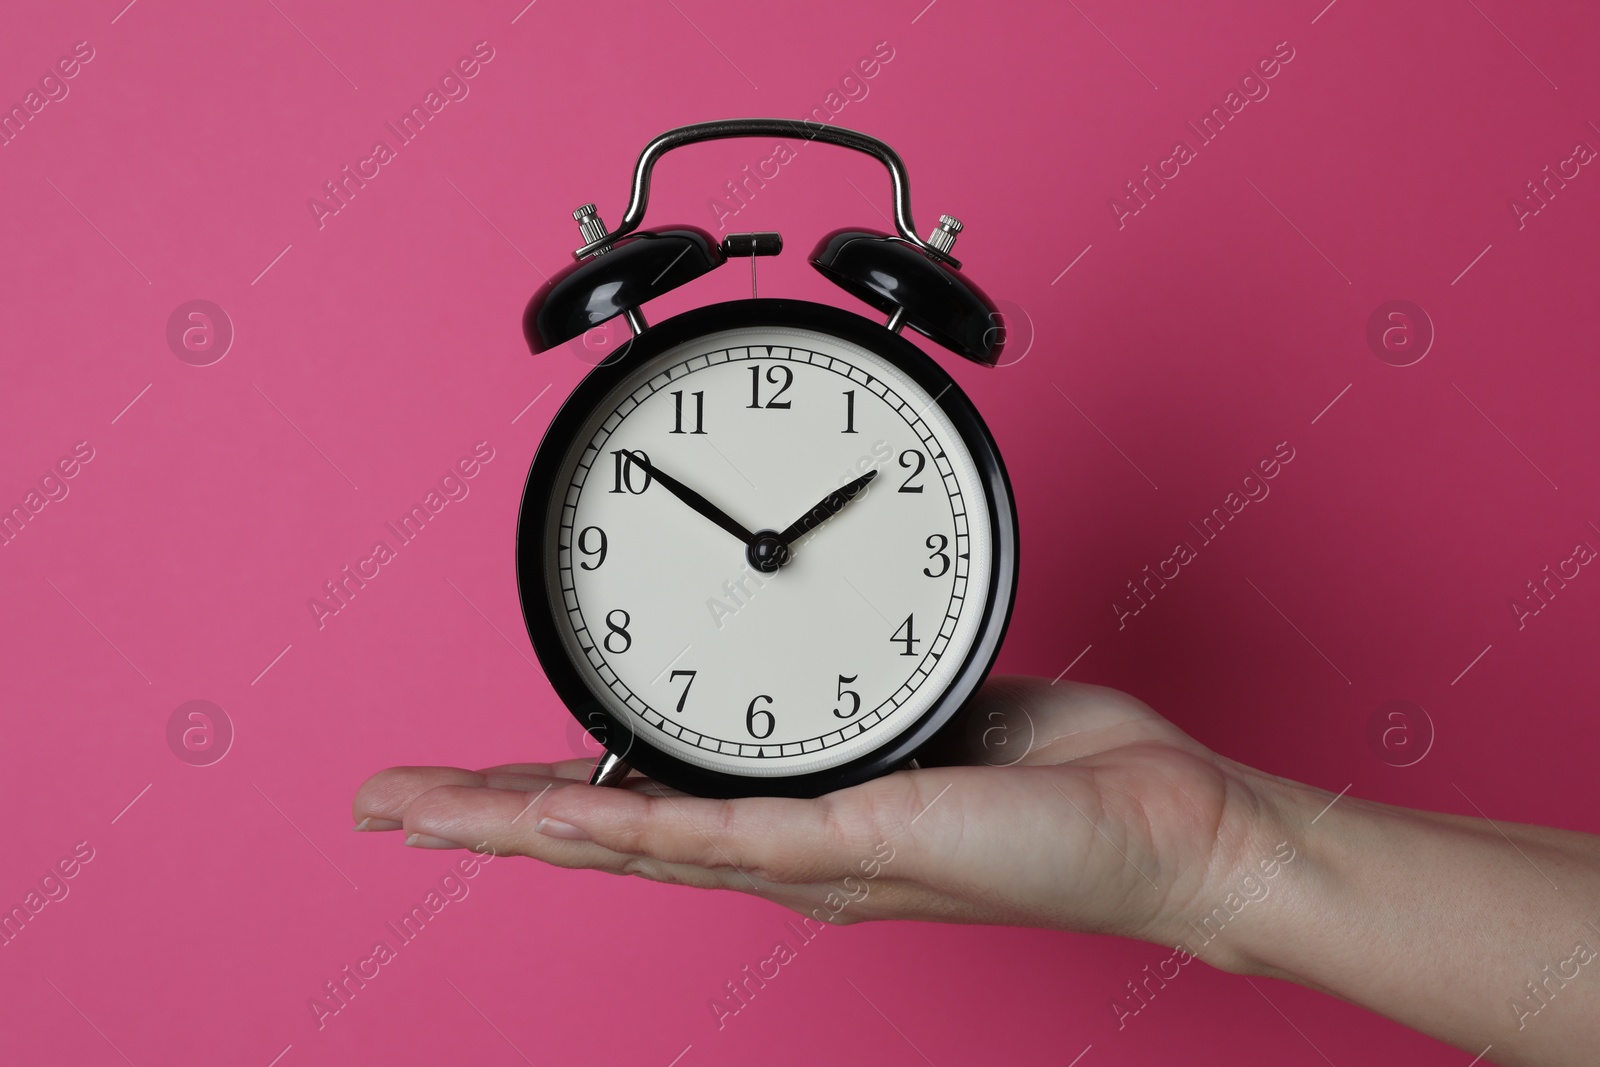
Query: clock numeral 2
910,640
921,461
752,712
626,465
583,546
774,373
855,697
686,687
699,412
937,542
618,629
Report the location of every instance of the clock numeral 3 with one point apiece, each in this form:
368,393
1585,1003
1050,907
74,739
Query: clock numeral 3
752,713
921,461
699,412
855,697
938,554
775,372
686,686
626,466
910,640
619,629
849,411
583,546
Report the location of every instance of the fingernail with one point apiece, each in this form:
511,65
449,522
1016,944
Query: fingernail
369,823
557,828
429,841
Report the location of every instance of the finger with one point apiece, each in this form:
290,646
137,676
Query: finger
381,800
577,770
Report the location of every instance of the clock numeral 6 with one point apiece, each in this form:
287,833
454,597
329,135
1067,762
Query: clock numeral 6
775,372
938,553
921,461
686,686
855,697
619,629
583,546
752,713
909,639
626,466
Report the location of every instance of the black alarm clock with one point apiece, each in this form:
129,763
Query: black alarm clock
770,547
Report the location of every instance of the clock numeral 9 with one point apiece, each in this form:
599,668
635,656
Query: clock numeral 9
583,546
626,466
939,554
699,412
752,713
774,373
855,697
921,461
619,629
910,640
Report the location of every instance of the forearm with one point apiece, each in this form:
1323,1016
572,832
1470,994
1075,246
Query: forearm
1479,933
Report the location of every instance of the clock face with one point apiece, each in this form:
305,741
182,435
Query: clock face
666,618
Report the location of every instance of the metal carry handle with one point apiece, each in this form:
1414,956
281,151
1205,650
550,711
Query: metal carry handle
726,128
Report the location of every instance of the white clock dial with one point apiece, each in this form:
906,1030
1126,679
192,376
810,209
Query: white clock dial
846,645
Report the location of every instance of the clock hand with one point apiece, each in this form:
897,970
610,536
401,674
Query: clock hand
826,508
692,498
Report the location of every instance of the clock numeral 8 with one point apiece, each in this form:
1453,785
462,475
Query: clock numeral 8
626,465
618,629
752,712
583,546
855,697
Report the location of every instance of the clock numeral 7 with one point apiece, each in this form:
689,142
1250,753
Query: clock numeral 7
626,466
699,412
674,676
910,640
855,697
774,373
752,712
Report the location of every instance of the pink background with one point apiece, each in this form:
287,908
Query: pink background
1224,318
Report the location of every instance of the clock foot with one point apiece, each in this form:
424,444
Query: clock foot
913,765
609,770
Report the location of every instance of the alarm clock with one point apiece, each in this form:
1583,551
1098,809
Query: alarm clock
769,547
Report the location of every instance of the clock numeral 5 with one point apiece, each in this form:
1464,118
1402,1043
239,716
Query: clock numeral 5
939,554
583,546
910,640
673,677
699,412
775,372
618,629
626,466
855,697
752,713
921,461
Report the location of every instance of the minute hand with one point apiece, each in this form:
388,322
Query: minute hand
692,498
826,508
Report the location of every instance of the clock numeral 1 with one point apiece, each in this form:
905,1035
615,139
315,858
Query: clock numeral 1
774,373
921,461
910,640
855,697
699,412
849,411
618,629
626,466
674,676
938,543
752,712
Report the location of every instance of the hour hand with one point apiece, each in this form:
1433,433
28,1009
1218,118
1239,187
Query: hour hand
826,508
690,497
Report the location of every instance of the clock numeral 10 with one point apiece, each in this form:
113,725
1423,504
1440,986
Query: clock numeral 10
775,372
752,713
906,636
699,412
626,466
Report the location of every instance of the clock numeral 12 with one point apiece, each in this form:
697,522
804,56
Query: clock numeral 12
699,412
910,640
774,372
752,712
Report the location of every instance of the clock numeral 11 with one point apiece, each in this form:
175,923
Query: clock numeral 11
699,412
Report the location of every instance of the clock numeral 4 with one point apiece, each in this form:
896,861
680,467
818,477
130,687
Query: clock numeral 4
674,676
626,468
699,412
855,697
775,373
938,542
618,630
752,713
583,546
907,637
920,460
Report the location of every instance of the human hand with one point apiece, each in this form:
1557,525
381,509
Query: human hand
1112,820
